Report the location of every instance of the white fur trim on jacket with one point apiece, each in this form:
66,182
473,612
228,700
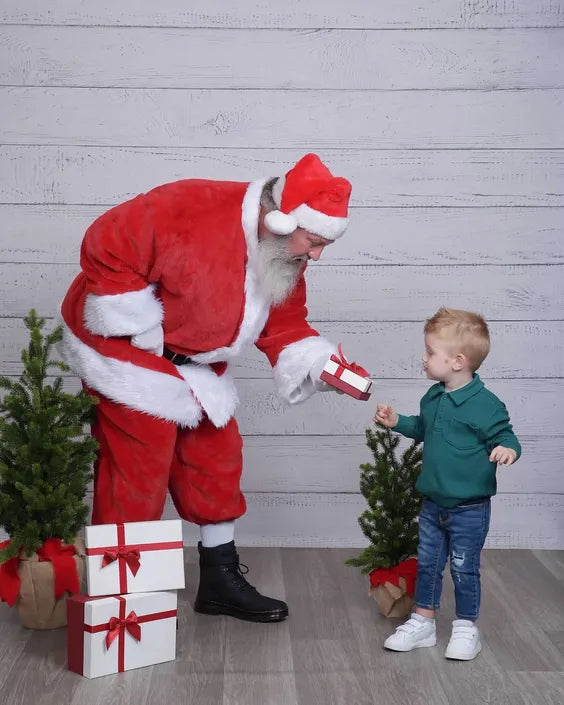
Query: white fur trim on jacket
123,314
155,393
256,305
292,370
216,393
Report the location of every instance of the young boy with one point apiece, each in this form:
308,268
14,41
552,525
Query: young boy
466,432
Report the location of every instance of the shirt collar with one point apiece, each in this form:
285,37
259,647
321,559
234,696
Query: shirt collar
459,396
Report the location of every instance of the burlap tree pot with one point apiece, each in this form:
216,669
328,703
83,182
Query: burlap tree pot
394,588
392,600
44,587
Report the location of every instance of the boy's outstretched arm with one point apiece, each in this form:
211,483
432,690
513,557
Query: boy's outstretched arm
502,444
410,426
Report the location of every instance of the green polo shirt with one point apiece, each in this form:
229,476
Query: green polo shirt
459,430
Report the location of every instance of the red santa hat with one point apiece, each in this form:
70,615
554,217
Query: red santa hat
310,197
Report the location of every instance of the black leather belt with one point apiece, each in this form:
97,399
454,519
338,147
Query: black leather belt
176,358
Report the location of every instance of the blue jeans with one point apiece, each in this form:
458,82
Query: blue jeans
459,534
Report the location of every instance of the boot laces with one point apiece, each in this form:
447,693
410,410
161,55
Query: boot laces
238,572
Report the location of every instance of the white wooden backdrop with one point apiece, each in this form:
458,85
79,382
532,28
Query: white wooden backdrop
447,116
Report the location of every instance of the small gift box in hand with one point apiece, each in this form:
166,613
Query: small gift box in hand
348,377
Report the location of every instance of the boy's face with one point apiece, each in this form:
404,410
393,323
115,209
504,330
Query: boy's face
440,359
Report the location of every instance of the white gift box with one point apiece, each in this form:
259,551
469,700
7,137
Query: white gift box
141,556
115,634
348,381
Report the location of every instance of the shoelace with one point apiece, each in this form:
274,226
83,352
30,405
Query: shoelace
239,579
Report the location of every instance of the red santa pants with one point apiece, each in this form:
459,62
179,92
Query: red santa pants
141,457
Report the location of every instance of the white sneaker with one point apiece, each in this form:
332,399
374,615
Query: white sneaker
464,643
418,631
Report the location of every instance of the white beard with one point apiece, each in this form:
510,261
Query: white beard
278,271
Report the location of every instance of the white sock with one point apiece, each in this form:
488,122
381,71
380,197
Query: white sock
213,535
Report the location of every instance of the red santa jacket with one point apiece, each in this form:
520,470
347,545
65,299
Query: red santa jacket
183,256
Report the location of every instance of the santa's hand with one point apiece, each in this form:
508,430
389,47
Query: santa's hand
151,340
315,375
503,455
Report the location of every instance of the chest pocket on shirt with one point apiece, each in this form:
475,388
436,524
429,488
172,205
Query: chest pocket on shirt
462,436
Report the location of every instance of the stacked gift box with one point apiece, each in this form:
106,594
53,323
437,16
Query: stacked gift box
127,619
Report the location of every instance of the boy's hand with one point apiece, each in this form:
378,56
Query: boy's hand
387,416
503,455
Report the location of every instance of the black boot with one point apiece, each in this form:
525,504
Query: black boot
224,590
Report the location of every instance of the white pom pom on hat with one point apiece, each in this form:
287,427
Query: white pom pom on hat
310,197
280,223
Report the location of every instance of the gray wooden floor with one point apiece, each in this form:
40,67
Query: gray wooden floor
328,651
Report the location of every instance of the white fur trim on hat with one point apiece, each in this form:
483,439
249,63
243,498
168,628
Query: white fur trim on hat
327,226
316,222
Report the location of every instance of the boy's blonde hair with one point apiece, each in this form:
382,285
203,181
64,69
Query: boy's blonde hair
469,330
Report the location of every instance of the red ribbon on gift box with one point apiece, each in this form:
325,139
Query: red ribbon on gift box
344,364
131,623
131,557
406,570
127,555
116,628
64,568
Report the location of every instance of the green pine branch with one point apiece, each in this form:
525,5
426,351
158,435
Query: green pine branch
388,485
45,456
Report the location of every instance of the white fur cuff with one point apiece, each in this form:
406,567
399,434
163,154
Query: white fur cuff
292,370
123,314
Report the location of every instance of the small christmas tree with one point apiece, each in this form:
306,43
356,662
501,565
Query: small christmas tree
389,488
390,523
45,458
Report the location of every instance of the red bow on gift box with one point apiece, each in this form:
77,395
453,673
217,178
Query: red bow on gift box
131,557
64,568
342,361
131,623
406,570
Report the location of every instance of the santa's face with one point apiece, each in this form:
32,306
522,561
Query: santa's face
282,257
305,245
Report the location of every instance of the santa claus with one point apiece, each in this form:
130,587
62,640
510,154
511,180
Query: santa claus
175,283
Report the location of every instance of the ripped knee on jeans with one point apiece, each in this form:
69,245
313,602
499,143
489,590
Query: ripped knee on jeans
457,559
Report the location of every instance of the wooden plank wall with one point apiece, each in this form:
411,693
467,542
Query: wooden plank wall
446,116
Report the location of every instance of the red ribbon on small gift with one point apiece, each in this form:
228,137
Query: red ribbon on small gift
132,557
406,570
64,565
117,625
64,568
9,578
344,364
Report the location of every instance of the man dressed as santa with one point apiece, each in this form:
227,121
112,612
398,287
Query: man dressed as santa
175,283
